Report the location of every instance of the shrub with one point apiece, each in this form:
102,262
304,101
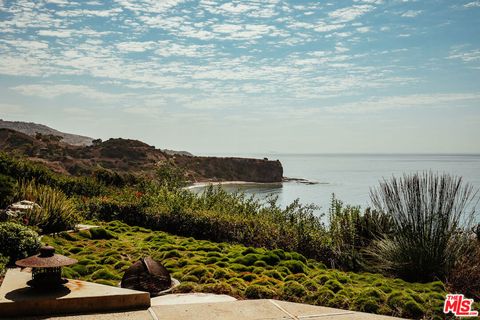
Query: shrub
429,212
292,290
465,276
351,231
294,266
101,233
256,291
3,266
17,241
21,169
7,188
56,212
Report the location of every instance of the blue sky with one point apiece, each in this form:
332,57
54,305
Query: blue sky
236,77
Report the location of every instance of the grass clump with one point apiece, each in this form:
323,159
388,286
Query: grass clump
55,211
101,234
256,291
428,213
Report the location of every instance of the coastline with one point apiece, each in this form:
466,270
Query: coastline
202,184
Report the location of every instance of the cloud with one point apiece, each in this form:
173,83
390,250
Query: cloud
55,33
56,90
135,46
474,4
363,29
465,55
151,6
411,13
408,101
86,13
350,13
325,27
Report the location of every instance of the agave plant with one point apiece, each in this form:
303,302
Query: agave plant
431,215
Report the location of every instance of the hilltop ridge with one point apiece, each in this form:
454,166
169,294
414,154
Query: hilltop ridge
127,156
31,129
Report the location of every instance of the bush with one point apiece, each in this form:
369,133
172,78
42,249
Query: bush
3,265
465,276
351,231
256,291
21,169
101,233
17,241
7,188
430,213
56,212
218,216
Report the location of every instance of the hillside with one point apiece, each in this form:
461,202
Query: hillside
126,156
31,129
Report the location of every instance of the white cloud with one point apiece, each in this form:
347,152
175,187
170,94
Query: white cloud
465,55
86,12
55,90
411,13
135,46
169,48
151,6
363,29
408,101
350,13
55,33
473,4
324,27
58,2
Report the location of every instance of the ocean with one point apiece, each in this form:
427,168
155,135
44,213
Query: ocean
350,176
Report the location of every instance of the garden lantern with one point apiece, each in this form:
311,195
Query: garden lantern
46,268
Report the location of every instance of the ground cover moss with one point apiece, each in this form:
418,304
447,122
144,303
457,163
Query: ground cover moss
204,266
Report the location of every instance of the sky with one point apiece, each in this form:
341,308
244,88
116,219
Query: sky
252,76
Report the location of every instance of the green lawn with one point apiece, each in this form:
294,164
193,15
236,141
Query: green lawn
204,266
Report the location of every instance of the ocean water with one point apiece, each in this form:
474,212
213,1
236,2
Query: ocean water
350,176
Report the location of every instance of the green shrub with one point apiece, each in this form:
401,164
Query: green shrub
260,292
105,274
7,190
3,265
427,210
17,241
56,212
294,266
101,233
292,290
248,260
24,170
366,304
413,310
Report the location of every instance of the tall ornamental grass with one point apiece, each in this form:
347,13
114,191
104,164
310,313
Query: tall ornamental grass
431,215
56,212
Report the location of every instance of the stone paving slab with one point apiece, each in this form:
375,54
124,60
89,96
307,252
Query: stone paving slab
190,298
306,310
243,309
258,310
18,299
130,315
